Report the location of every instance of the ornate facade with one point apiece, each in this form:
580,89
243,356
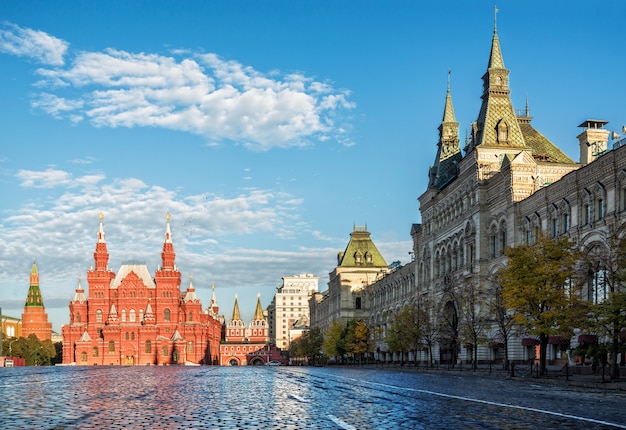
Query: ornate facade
133,318
510,183
247,345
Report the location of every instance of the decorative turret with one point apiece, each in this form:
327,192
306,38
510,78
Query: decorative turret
79,296
168,255
258,312
190,294
236,315
101,256
448,149
213,308
112,318
148,317
33,299
496,124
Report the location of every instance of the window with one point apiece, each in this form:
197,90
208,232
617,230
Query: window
132,335
83,356
127,336
99,316
78,318
587,214
502,239
600,209
140,315
597,286
148,346
189,347
94,351
164,351
123,315
190,317
565,222
111,346
166,315
358,303
555,227
132,316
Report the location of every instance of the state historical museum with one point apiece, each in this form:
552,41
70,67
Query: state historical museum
133,318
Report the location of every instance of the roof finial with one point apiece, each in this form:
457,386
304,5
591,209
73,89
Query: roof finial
495,19
527,109
448,79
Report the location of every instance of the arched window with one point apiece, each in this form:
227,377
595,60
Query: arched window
166,315
140,315
111,346
190,317
132,316
83,356
78,318
123,315
99,316
94,351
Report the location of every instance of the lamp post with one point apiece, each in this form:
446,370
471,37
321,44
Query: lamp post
11,346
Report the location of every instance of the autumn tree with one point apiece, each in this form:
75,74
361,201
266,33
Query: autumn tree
604,264
538,288
357,338
308,345
397,339
333,344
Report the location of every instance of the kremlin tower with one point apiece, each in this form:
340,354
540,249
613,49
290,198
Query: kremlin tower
35,318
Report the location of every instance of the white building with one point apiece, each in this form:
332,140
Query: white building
290,307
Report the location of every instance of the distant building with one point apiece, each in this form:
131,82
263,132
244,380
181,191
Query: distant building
360,265
35,318
132,317
290,307
11,326
250,345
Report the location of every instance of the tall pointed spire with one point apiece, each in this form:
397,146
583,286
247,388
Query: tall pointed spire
101,256
495,58
34,299
448,149
258,313
168,255
497,124
236,314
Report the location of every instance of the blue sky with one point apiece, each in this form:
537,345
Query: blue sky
268,129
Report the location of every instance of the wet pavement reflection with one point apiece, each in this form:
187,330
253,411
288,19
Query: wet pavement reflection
177,397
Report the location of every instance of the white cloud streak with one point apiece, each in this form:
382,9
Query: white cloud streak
203,94
37,45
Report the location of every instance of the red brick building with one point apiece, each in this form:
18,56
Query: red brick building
247,345
35,318
135,318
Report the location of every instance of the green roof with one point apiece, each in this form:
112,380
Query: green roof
543,149
361,251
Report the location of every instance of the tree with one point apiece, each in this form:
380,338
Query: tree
359,341
407,330
539,288
33,351
473,317
501,317
605,271
333,345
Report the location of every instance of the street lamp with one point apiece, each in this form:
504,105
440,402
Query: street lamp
11,345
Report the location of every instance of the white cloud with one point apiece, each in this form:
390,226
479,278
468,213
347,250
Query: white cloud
38,45
47,179
224,101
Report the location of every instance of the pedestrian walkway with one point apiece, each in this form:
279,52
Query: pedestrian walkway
556,375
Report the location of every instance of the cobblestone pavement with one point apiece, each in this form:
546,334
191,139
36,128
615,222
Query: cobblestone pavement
177,397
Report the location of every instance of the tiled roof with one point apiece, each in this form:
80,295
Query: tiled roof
542,148
361,251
